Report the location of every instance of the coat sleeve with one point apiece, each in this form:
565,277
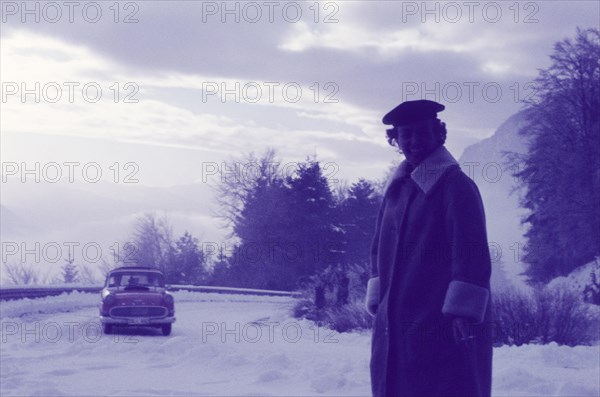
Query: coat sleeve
373,285
375,243
468,291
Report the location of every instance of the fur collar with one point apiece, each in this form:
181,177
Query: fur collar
428,172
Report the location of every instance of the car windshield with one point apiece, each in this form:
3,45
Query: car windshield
136,280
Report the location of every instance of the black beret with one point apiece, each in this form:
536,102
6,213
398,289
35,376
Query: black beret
412,111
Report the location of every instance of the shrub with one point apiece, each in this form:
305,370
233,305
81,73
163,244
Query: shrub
349,317
591,291
335,298
543,315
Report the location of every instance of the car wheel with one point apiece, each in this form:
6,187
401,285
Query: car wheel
108,328
166,329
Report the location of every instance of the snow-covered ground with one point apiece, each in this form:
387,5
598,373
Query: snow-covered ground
230,345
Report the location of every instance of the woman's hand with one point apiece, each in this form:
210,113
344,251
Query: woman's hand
462,330
372,296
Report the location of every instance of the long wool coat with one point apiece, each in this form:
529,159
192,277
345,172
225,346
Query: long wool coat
430,262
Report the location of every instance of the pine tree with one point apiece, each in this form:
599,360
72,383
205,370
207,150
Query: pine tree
313,220
254,205
187,263
259,260
359,215
69,271
221,271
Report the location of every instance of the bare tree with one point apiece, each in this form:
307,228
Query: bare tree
237,180
152,241
21,273
561,169
87,275
340,190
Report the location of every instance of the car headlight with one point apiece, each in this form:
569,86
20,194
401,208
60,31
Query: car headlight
169,299
109,299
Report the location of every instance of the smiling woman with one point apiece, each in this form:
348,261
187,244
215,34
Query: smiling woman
417,131
418,139
431,268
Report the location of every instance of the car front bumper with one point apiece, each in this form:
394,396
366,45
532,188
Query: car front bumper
137,320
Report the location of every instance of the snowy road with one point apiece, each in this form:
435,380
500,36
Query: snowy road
217,348
231,345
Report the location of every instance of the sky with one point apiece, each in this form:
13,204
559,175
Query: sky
165,91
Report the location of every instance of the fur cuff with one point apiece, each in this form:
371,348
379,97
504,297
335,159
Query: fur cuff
466,299
372,298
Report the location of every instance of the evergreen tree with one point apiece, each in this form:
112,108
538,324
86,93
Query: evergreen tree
69,271
187,263
359,215
313,220
252,202
259,259
287,230
221,272
238,179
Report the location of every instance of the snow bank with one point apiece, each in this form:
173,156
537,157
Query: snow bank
546,370
69,302
578,278
66,302
231,345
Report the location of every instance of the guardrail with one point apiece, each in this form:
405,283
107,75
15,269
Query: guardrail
232,290
40,292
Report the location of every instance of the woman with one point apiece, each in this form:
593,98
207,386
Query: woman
429,288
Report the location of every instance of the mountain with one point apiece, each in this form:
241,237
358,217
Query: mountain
486,164
103,213
11,224
98,214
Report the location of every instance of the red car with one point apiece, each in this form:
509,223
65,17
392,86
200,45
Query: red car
136,296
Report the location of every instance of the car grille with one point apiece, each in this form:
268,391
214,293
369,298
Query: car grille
138,311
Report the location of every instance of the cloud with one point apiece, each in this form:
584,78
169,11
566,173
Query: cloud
358,39
368,55
493,55
386,32
153,118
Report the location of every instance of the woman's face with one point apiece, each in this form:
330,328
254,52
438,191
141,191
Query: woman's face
418,140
